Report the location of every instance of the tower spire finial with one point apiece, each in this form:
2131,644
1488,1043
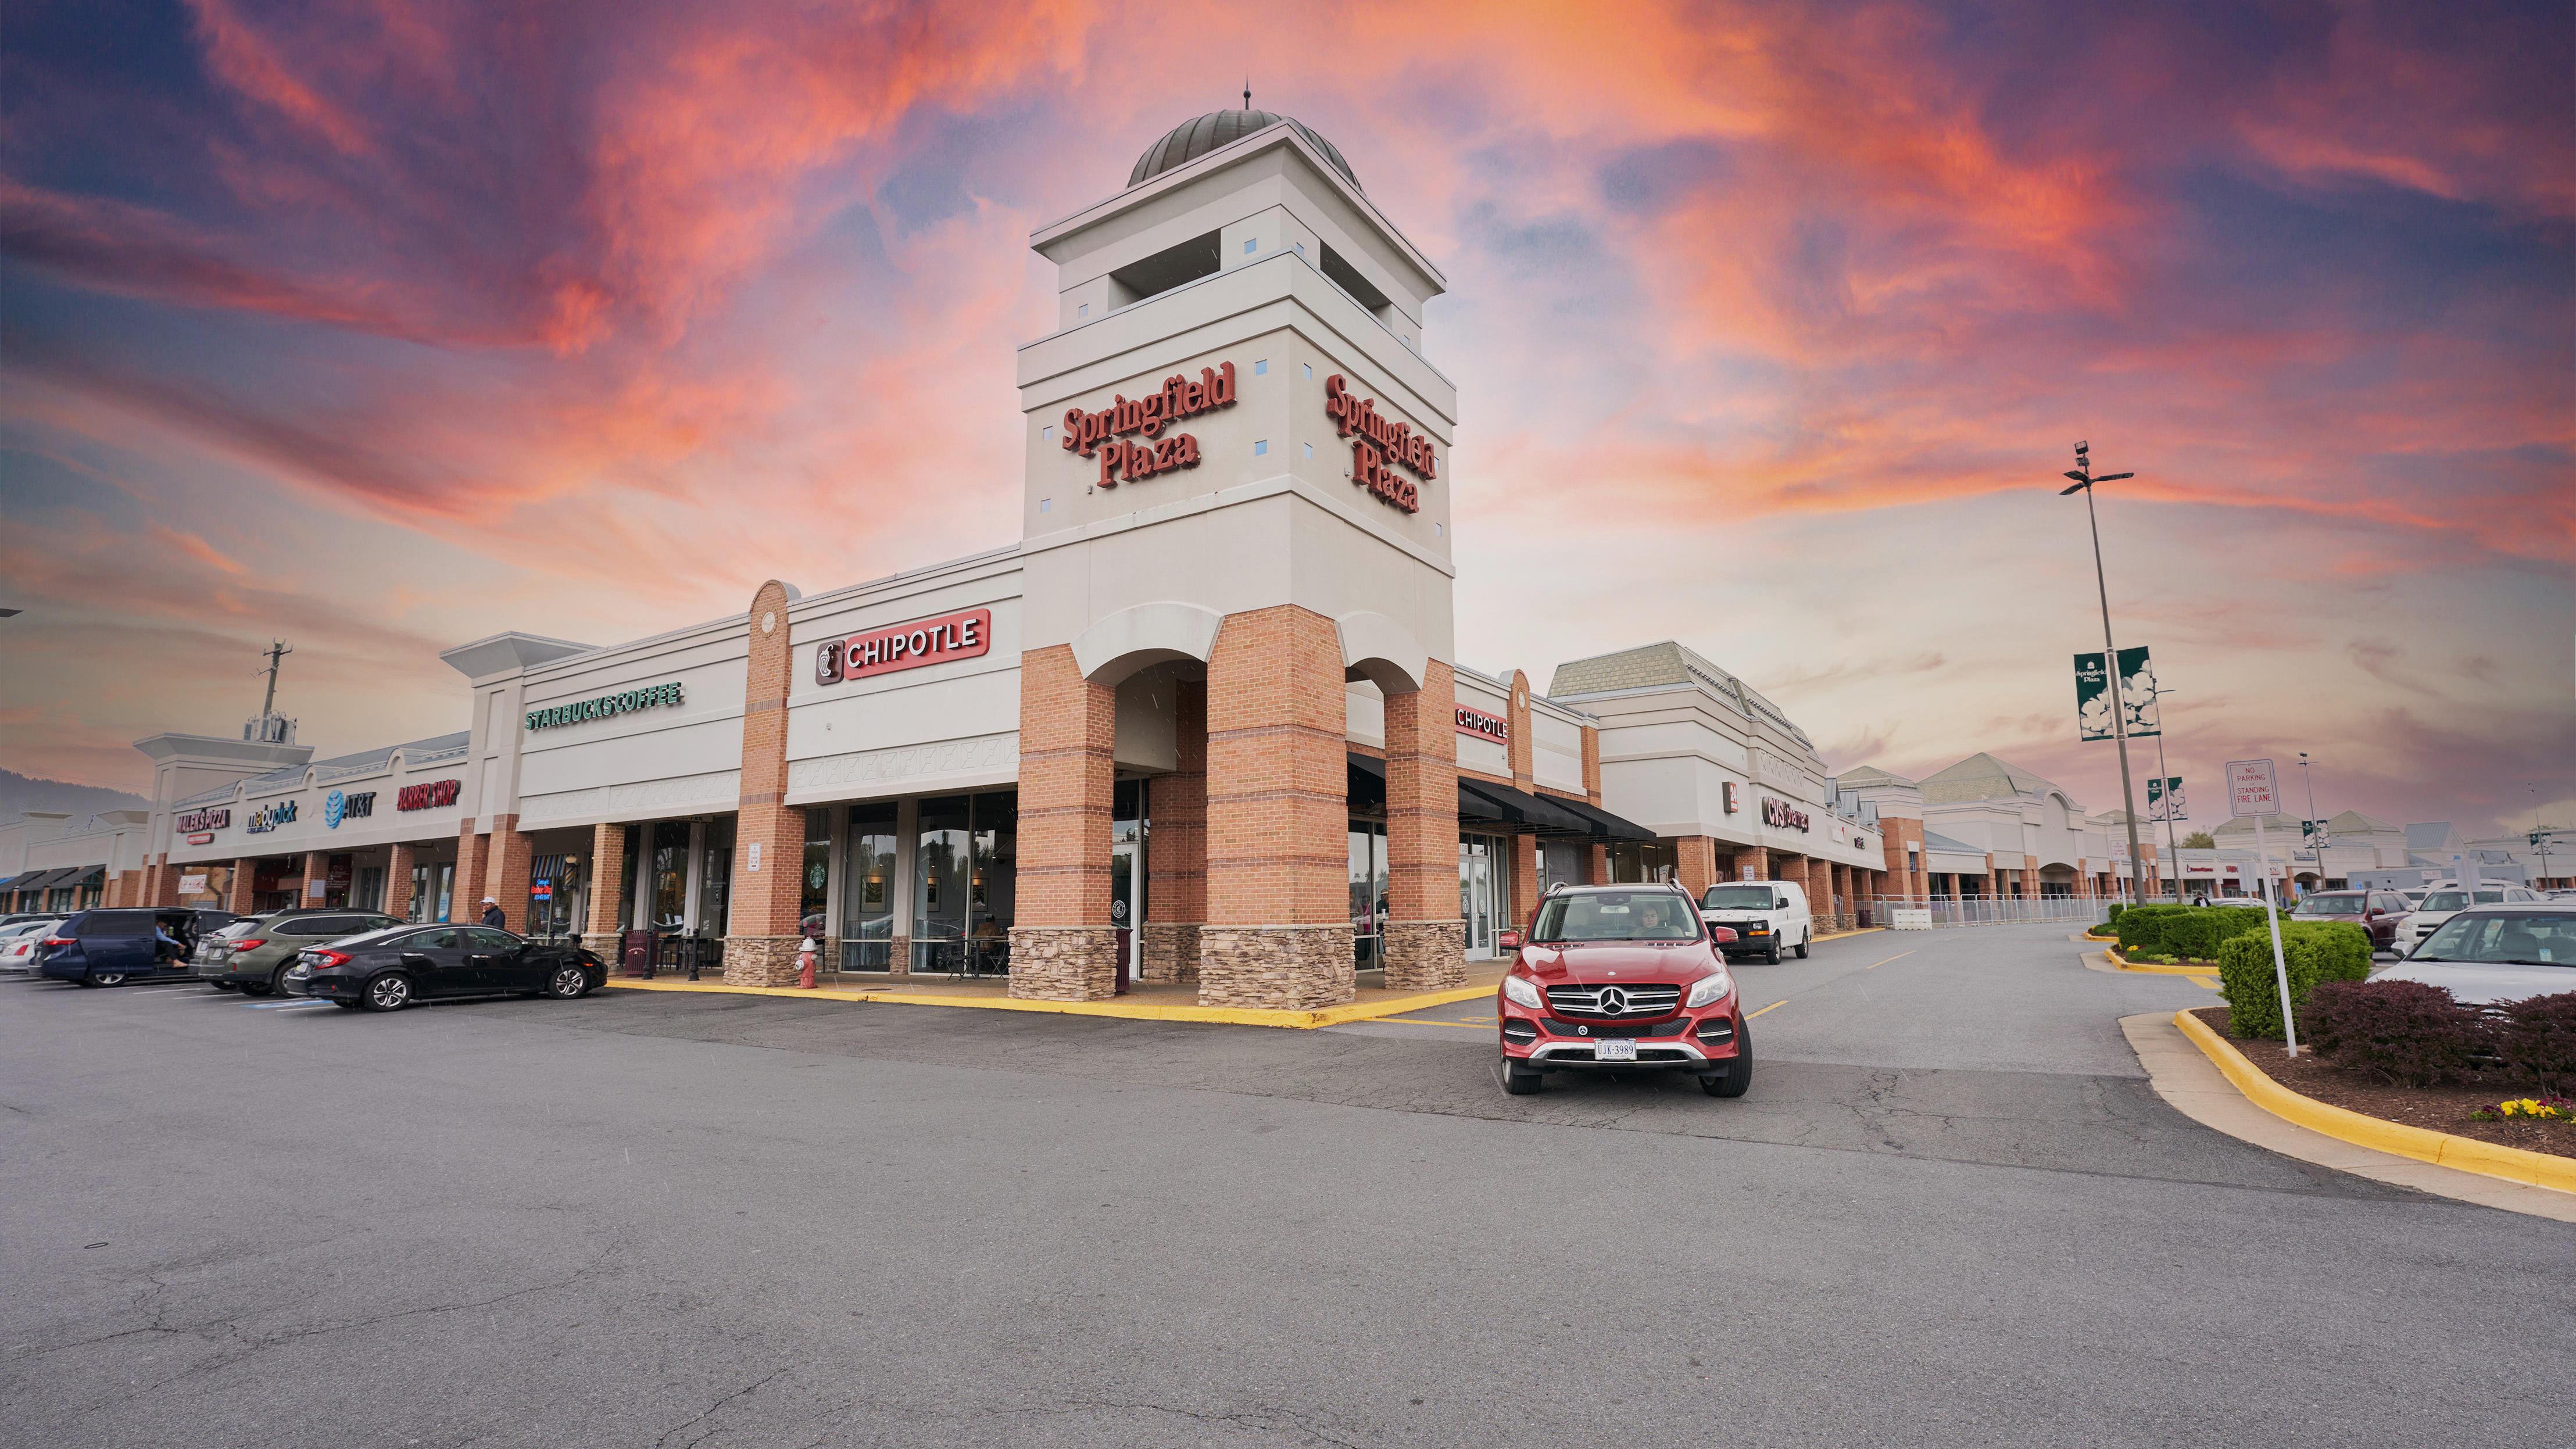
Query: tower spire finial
1247,92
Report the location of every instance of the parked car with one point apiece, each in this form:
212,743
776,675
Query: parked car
111,947
2487,954
2377,912
2441,903
1619,977
255,955
18,943
1765,916
389,970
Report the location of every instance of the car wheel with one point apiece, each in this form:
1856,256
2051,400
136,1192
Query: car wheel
568,982
253,988
277,984
1519,1080
1772,955
1803,945
1737,1079
389,992
105,978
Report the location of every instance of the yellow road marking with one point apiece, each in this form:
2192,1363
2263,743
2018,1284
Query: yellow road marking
1899,956
1774,1006
1414,1021
2209,981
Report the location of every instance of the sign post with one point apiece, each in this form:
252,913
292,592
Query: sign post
2253,789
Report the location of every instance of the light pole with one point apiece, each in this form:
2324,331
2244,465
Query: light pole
2173,851
2082,473
2319,836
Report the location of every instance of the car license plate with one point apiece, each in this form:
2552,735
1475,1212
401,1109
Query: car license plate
1614,1049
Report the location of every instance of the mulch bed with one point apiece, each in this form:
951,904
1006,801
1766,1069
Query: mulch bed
2436,1109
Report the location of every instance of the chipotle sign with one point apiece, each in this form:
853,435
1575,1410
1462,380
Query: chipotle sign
1484,726
905,646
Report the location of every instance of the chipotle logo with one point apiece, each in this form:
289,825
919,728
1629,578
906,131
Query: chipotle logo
1781,815
1484,726
1104,433
429,796
1380,440
905,646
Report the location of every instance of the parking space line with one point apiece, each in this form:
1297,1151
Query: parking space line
1774,1006
279,1005
1899,956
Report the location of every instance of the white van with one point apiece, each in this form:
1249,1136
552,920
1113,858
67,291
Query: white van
1765,915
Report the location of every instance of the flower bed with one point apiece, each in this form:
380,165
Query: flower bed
2453,1107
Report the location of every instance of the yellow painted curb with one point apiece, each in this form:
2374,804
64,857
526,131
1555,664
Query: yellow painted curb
1209,1015
1854,931
2467,1154
2115,959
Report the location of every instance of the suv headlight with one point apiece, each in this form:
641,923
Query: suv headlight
1709,988
1522,990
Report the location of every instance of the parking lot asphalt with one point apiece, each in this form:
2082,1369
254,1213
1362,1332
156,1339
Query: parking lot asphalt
1950,1211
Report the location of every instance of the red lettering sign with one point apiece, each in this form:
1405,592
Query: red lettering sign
428,796
205,820
1483,726
905,646
1781,815
1100,433
1380,441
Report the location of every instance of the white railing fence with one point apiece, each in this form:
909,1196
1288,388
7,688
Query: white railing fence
1906,914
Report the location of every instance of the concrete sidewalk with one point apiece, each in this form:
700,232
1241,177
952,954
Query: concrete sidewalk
1150,1001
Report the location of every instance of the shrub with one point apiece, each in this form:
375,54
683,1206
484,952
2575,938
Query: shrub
2116,909
2403,1032
2314,952
2535,1039
2141,927
2198,932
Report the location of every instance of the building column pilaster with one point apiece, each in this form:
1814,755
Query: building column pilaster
1176,855
1426,946
767,900
1063,945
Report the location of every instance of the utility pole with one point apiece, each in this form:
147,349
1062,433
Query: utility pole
2173,851
2082,473
276,651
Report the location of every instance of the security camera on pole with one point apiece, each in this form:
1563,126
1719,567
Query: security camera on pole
2082,473
2253,789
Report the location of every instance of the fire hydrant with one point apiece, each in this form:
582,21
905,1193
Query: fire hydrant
805,964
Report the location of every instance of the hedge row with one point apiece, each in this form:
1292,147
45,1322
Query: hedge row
2192,933
2314,951
2413,1034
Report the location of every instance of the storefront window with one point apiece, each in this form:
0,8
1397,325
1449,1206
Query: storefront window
443,891
867,901
993,889
942,869
670,875
369,894
1480,887
1368,894
1636,864
550,893
715,876
630,851
1564,862
814,885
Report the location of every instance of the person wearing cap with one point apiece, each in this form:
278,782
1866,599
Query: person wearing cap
492,915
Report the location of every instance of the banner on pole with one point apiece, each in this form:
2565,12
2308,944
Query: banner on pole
2137,690
2164,799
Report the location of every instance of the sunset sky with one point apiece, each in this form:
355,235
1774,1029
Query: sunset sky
384,326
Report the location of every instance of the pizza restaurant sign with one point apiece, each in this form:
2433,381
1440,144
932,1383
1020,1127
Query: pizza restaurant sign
1104,434
205,820
905,646
1781,815
1378,441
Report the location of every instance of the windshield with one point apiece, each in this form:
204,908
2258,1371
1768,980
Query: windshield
1736,898
2332,903
2452,900
1617,916
2505,938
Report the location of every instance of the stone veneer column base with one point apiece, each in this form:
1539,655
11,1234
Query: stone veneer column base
760,960
605,946
1281,968
1426,955
1064,963
1168,951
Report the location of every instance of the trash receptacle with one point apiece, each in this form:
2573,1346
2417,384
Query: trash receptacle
635,953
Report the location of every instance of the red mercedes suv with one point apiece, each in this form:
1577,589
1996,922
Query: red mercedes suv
1621,977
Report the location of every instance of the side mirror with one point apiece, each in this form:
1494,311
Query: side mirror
1508,940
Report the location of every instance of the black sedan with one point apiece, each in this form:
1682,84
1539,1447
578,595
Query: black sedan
389,970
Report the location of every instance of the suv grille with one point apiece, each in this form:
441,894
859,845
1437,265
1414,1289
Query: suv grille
1643,999
1674,1027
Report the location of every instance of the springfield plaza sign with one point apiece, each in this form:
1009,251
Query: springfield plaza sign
1380,439
1104,433
555,716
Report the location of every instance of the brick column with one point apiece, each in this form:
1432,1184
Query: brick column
512,854
1592,763
1600,865
473,852
608,872
314,866
1176,856
1426,942
1756,857
1849,912
1063,947
760,940
238,893
1695,863
1278,857
398,863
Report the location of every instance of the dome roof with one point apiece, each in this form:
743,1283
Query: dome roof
1190,140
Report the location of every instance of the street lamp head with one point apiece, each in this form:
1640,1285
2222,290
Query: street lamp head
2078,488
2113,477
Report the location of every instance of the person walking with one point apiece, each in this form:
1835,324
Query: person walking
492,915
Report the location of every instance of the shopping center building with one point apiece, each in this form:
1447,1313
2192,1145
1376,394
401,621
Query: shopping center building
1203,722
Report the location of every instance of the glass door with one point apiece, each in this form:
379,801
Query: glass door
1476,903
1126,883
